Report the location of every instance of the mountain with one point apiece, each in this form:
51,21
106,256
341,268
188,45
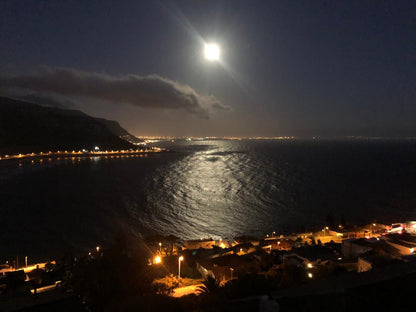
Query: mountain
27,127
119,131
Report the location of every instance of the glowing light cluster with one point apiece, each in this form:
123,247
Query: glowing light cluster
212,52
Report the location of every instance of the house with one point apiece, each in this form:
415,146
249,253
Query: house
281,243
244,248
326,235
295,260
222,268
352,248
246,240
371,261
311,255
205,243
404,243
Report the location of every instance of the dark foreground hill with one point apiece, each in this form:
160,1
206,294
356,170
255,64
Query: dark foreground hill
27,127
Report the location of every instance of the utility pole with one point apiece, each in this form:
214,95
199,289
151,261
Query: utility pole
179,270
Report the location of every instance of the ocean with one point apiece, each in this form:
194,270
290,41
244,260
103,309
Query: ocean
207,188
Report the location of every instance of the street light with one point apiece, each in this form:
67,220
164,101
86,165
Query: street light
179,270
160,248
231,269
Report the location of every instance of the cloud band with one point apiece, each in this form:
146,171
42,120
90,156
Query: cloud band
143,91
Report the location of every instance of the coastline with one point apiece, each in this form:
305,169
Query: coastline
79,153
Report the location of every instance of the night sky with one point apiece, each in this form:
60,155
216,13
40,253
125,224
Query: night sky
291,67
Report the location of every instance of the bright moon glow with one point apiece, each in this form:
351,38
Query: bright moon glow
212,52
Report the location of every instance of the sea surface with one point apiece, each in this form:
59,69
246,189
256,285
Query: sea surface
212,188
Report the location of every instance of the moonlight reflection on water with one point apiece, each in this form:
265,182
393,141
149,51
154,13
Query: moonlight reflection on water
205,189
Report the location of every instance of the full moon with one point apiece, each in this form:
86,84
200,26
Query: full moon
212,52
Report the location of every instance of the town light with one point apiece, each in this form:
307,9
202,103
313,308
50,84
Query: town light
310,275
98,248
158,259
310,265
179,270
412,250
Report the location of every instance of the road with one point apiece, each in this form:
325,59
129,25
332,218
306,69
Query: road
187,290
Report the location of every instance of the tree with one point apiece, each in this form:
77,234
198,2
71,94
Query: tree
330,220
115,279
211,285
342,221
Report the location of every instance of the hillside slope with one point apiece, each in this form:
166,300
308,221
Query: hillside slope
27,127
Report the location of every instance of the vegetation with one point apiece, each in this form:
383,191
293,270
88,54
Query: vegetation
211,285
118,279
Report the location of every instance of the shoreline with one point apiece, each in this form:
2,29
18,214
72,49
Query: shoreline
74,153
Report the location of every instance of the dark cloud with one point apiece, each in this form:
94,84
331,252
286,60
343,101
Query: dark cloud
45,100
144,91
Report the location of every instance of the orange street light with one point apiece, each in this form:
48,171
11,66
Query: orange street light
179,270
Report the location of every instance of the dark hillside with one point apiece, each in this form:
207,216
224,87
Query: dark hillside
27,127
